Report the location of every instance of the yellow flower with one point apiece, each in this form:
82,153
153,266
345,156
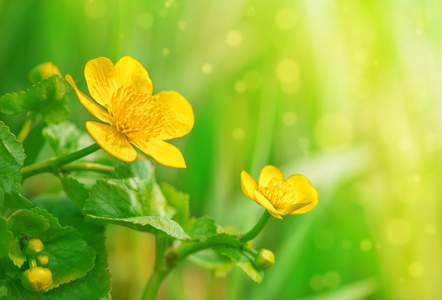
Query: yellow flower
280,197
37,279
42,72
133,115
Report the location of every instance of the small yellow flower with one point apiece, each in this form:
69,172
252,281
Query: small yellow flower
264,259
42,72
133,115
37,279
280,197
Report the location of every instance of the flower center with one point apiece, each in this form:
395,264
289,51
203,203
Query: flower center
134,114
279,193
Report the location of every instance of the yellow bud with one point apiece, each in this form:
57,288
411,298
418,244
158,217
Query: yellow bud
43,71
37,279
43,260
34,247
264,259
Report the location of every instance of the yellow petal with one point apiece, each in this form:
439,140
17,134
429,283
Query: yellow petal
164,153
131,72
290,209
268,173
312,195
112,141
101,79
248,185
177,114
304,193
261,200
299,180
88,103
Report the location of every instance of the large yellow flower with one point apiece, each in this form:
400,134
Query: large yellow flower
133,115
280,197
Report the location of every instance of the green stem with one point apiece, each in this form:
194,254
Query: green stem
163,265
153,285
30,119
160,270
32,263
52,164
250,250
88,167
257,228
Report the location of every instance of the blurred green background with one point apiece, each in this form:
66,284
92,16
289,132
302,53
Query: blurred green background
346,92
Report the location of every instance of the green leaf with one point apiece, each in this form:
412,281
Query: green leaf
12,157
242,260
6,242
69,255
6,238
178,201
34,142
14,202
97,283
152,224
63,138
16,254
28,223
132,199
207,259
48,97
75,190
11,289
202,228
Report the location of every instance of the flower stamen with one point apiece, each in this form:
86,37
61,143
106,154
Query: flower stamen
134,114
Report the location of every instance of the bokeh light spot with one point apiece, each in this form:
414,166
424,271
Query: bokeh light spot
206,68
415,269
166,51
182,25
360,56
291,88
398,232
238,134
287,71
289,118
240,86
95,9
332,279
333,132
145,20
250,11
430,229
317,282
405,144
285,19
366,245
234,38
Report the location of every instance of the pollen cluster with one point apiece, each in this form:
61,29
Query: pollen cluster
134,114
279,193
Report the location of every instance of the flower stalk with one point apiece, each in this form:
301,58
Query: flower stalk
88,167
257,228
30,119
53,164
160,270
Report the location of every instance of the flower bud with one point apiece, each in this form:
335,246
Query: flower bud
34,247
264,259
42,72
37,279
42,260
